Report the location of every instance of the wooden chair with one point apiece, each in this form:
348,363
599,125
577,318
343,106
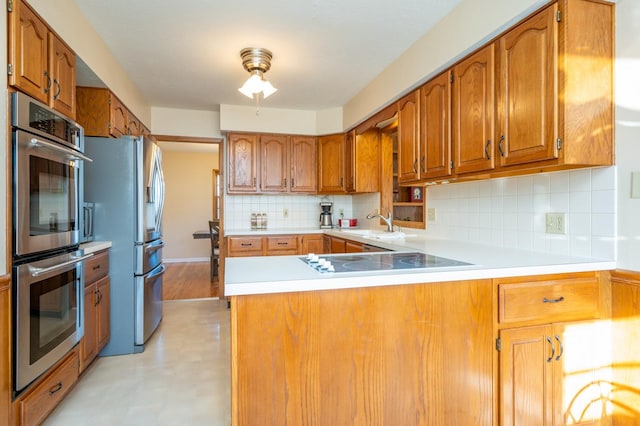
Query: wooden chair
214,234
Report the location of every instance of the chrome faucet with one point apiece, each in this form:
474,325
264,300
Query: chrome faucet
388,220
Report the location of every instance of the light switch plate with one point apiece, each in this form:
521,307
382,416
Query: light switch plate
431,214
635,184
556,223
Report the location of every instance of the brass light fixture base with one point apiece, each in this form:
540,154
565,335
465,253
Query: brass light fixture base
256,59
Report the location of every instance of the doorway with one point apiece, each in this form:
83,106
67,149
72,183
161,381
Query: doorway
193,169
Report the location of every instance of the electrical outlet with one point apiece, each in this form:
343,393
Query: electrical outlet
285,213
431,214
341,212
556,223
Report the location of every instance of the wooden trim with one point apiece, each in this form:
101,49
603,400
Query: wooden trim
385,114
5,281
189,139
625,276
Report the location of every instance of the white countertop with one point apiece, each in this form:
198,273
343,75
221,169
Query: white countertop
95,246
279,274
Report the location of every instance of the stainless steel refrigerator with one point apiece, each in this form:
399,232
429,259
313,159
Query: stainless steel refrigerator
126,185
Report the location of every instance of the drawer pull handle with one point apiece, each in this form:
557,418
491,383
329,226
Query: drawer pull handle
283,243
561,348
553,349
559,299
95,268
55,388
246,244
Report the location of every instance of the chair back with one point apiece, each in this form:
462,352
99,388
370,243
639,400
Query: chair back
214,233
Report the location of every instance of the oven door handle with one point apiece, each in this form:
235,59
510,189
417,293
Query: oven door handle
55,147
39,271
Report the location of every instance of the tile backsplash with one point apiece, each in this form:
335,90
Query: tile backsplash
511,212
507,212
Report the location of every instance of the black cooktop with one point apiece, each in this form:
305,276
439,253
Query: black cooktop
382,261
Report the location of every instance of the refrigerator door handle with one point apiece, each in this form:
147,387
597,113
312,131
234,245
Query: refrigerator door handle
157,245
156,272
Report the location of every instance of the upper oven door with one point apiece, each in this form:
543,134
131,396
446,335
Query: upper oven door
45,194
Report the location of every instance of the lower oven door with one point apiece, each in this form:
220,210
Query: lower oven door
48,313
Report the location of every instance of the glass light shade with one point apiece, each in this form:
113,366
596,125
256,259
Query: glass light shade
268,89
256,84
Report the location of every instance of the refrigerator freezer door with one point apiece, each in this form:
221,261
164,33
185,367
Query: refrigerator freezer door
148,311
152,190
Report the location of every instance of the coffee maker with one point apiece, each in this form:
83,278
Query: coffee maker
325,215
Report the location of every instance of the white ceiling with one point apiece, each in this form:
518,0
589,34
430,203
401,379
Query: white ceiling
186,54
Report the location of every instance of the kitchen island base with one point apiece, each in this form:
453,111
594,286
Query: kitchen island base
409,354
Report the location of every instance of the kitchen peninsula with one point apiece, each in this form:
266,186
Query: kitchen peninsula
411,346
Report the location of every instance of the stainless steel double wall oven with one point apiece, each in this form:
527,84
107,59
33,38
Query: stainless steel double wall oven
47,265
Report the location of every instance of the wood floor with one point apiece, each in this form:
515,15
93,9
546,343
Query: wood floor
188,281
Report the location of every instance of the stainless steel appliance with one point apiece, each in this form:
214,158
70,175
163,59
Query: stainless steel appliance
47,162
126,185
86,222
381,262
326,221
49,318
47,267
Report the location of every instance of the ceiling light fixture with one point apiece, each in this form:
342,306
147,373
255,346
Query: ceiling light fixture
256,61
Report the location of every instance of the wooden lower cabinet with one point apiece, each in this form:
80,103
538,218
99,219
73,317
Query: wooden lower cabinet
311,243
5,349
274,245
391,355
625,290
96,308
554,343
555,374
38,402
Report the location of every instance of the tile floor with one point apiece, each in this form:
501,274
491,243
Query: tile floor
182,377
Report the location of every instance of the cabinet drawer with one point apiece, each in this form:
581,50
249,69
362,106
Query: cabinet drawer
549,301
244,246
96,267
36,406
281,245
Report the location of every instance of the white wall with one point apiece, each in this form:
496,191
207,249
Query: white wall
185,122
65,18
468,26
188,207
628,130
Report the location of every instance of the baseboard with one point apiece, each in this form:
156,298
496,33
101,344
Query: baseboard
186,260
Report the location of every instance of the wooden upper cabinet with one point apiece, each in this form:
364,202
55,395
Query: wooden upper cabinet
41,64
331,163
473,112
243,162
408,138
274,163
101,113
561,62
303,154
527,87
134,126
363,160
435,127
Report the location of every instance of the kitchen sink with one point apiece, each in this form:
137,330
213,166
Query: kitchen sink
376,234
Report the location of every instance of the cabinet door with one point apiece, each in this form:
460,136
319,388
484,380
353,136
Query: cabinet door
62,68
311,243
88,343
526,369
103,311
526,90
349,161
365,161
303,164
274,163
353,247
243,163
119,117
331,163
473,112
435,127
408,138
338,245
29,52
581,372
133,126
